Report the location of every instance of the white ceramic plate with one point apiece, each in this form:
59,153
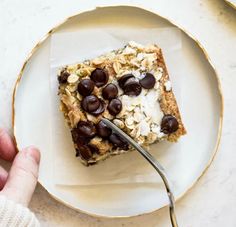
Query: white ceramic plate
201,111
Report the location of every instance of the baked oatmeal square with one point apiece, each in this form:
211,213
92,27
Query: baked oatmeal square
129,86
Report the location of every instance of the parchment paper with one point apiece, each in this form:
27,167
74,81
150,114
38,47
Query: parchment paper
72,47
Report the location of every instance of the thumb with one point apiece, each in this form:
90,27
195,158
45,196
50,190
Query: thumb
23,176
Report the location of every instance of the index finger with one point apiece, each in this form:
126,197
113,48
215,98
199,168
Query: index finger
7,146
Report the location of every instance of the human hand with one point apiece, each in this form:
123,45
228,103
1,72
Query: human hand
19,184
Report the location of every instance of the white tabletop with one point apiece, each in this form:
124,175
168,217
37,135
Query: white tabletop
212,202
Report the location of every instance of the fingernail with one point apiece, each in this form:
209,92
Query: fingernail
33,153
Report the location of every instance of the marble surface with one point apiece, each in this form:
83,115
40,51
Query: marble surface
212,201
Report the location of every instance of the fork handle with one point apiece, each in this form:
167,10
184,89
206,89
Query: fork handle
158,167
155,164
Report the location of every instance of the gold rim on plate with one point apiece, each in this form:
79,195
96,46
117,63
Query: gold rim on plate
231,3
171,22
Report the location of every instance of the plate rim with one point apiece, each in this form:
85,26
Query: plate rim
233,5
54,29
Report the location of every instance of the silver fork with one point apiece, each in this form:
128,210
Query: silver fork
156,165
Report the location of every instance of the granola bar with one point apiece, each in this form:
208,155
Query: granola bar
129,86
